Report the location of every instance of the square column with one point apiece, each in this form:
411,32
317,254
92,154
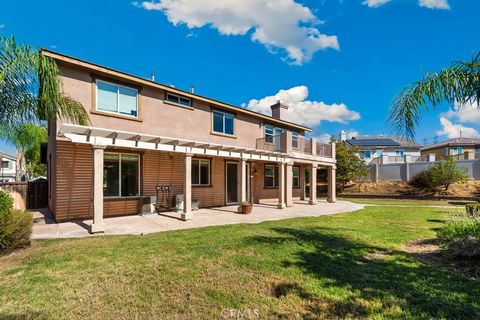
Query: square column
289,185
97,224
187,188
332,185
242,176
313,184
281,186
302,183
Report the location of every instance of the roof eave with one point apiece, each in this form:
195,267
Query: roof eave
86,64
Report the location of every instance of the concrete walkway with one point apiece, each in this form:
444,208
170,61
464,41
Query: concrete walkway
45,228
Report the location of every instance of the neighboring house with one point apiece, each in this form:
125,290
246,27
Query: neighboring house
391,149
146,138
8,170
461,148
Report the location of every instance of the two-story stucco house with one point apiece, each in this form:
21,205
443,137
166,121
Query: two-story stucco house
147,139
8,170
460,148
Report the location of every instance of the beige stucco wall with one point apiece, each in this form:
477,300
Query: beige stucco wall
159,118
440,152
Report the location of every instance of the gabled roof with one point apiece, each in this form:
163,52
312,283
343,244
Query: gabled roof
453,143
60,57
7,156
382,141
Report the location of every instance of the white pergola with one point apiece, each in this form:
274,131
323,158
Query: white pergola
101,138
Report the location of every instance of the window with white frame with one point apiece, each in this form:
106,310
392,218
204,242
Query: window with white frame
116,98
271,176
223,122
457,151
5,164
121,172
294,139
365,154
178,99
269,133
296,177
399,153
200,172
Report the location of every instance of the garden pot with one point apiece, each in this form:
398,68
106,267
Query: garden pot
247,208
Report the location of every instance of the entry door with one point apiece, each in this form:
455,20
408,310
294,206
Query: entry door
231,182
247,183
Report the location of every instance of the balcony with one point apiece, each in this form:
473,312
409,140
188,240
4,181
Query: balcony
285,143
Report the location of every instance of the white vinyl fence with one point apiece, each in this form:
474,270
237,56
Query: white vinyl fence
407,170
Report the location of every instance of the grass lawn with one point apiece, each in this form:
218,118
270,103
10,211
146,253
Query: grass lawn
342,266
409,202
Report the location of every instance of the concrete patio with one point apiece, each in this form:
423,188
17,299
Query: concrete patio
45,228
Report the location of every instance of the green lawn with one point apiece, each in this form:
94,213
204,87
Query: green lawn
342,266
409,202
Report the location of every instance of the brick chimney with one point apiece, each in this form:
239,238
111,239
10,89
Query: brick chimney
279,110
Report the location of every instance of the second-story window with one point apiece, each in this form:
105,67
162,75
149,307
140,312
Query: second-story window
223,122
117,99
269,133
178,100
399,153
294,139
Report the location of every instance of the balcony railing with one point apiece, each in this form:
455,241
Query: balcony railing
286,143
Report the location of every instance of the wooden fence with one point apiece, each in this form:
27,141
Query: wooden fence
27,195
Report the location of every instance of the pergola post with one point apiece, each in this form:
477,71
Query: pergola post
187,188
313,184
242,176
289,185
281,186
332,193
97,224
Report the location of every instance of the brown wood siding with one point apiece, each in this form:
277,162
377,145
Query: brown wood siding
74,181
162,168
120,207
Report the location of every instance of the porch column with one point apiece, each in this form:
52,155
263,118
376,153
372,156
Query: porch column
332,183
313,184
281,186
97,224
187,188
289,185
242,176
302,183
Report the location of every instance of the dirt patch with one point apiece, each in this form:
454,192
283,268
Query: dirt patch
430,252
470,188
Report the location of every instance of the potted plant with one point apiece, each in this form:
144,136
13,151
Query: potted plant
247,207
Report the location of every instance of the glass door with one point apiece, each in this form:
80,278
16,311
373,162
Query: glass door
278,133
231,182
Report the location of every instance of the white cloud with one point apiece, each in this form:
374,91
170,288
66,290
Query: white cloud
303,111
452,130
430,4
280,25
375,3
434,4
465,113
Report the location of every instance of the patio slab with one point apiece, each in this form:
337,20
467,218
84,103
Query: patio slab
45,228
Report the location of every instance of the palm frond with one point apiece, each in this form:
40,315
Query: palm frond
458,83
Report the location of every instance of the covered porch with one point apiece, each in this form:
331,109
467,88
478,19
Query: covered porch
234,180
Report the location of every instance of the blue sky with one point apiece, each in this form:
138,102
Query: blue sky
350,56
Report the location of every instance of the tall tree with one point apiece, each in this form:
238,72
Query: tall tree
349,165
30,88
460,83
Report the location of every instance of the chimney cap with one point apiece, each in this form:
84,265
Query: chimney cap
279,104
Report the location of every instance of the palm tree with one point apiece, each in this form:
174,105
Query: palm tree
460,83
30,88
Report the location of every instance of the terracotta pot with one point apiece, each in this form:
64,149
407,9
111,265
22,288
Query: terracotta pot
247,208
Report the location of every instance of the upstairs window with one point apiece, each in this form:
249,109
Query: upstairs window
223,122
269,133
5,164
457,151
399,153
365,154
178,100
294,139
117,99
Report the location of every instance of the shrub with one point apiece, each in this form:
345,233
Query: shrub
445,173
420,181
15,225
473,211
